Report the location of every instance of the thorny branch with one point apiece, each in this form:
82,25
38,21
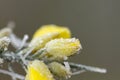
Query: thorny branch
23,56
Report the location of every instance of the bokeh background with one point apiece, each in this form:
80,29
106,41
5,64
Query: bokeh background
95,22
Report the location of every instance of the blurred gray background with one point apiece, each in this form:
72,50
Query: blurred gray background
95,22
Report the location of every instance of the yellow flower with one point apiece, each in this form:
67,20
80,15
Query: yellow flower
63,31
59,70
37,70
39,42
47,33
61,48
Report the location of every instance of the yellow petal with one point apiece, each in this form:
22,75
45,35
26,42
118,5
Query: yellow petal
37,70
63,47
63,31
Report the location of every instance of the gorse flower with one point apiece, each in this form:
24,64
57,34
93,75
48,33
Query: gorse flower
46,29
38,70
39,42
52,45
62,48
47,33
53,39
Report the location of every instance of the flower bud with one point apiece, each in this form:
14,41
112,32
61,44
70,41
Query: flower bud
63,31
37,70
62,48
39,42
59,70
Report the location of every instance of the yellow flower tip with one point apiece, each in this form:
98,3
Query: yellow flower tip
38,70
61,48
64,32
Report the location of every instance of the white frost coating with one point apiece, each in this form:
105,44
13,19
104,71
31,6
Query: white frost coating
67,66
90,68
78,72
63,40
25,38
1,60
15,41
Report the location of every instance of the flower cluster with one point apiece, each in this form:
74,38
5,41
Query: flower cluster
57,46
45,56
